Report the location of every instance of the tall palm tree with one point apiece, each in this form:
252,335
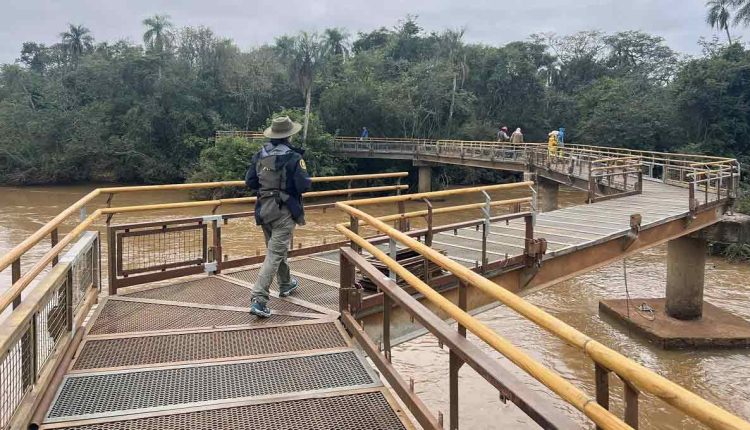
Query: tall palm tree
719,14
76,41
159,34
336,42
303,55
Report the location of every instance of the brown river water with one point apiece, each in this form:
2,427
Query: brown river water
722,377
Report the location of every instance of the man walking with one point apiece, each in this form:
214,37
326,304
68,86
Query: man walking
278,176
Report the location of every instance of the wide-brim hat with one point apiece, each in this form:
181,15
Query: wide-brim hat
282,127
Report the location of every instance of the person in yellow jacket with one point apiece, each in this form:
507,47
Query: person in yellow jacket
552,142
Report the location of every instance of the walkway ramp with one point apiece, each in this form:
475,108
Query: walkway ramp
190,355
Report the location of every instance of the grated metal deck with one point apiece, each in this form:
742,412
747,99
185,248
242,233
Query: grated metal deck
189,355
168,348
123,317
213,291
121,391
366,411
312,291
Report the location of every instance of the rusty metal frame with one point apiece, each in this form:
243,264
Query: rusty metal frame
462,350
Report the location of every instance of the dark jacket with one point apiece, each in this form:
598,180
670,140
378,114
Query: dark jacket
297,179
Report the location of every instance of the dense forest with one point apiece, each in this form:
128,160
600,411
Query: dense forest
82,110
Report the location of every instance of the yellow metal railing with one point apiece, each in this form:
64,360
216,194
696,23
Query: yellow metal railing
632,373
58,284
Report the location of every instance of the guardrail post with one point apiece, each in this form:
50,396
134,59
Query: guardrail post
387,304
15,275
402,222
691,196
354,227
54,239
346,282
454,365
631,405
487,211
218,256
393,253
111,261
601,377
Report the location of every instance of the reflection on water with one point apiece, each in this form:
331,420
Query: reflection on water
722,377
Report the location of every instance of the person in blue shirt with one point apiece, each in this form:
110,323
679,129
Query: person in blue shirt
365,134
278,176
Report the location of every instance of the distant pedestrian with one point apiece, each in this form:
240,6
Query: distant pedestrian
552,142
502,134
517,136
560,140
365,134
278,176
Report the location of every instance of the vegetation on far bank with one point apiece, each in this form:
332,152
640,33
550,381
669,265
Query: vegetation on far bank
81,110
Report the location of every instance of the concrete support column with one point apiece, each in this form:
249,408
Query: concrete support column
425,179
548,191
686,263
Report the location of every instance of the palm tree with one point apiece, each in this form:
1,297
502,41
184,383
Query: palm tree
719,14
742,15
158,35
76,41
303,55
336,42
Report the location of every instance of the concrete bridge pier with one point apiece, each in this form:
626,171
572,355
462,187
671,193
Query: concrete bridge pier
686,268
682,319
424,185
548,194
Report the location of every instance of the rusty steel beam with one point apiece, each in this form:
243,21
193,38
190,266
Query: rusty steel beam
415,405
512,388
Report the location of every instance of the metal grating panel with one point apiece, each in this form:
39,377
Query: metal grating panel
214,291
207,345
317,268
365,411
122,317
122,391
311,291
332,256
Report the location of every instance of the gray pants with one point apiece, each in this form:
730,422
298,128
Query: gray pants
278,235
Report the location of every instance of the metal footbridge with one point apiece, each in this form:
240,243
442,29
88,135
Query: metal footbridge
146,325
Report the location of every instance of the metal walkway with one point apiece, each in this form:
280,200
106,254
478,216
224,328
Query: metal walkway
189,355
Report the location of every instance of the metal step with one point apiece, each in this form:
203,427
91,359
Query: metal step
126,317
128,391
214,291
207,345
369,410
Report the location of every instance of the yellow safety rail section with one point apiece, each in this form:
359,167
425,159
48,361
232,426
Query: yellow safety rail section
20,284
627,369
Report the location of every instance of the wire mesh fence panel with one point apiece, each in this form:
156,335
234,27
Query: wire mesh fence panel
84,259
16,376
156,249
52,321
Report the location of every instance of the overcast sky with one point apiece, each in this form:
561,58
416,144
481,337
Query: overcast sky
253,22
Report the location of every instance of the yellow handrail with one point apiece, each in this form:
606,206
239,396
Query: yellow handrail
444,193
645,379
17,251
560,386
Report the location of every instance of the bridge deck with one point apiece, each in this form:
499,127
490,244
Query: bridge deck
189,355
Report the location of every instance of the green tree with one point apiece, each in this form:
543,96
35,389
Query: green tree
77,40
158,35
303,55
719,15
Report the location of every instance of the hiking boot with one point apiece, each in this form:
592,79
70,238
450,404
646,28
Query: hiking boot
284,292
260,309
